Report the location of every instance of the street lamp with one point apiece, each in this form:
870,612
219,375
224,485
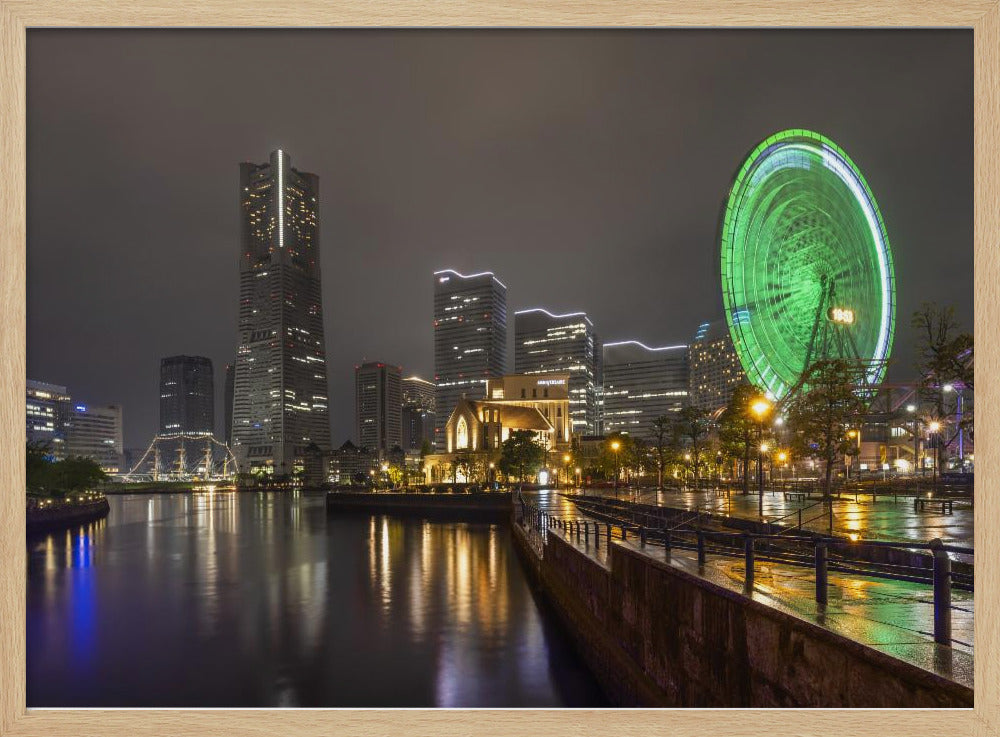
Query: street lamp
935,427
912,409
579,478
782,459
566,460
761,407
492,473
615,445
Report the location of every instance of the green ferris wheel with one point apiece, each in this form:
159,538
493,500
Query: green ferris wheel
806,268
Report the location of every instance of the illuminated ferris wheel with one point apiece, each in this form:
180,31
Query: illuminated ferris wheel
807,271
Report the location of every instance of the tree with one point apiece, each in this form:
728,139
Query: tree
821,416
739,430
691,429
946,359
521,453
663,429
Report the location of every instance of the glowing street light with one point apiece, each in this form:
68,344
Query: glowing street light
615,445
760,407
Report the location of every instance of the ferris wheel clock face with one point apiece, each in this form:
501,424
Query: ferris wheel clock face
806,267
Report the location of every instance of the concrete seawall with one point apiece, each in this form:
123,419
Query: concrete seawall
656,635
59,516
476,506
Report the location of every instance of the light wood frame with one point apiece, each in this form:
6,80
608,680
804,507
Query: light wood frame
16,16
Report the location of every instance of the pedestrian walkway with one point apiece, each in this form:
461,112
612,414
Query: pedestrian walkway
885,518
894,617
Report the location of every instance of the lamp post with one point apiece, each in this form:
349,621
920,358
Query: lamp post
782,459
935,427
566,460
492,473
912,409
761,407
579,478
615,445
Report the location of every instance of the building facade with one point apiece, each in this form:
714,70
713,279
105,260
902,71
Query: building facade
47,415
546,343
280,401
418,413
715,367
187,395
470,339
641,384
378,406
95,431
228,403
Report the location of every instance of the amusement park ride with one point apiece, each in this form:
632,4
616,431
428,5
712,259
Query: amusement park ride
807,273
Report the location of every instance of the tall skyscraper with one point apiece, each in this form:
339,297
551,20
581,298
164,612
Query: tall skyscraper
95,432
641,384
470,339
228,401
187,395
545,343
715,367
419,403
280,388
47,416
378,407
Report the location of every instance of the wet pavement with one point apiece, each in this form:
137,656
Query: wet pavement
894,617
888,518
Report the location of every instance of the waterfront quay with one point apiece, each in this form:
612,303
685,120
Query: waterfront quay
880,627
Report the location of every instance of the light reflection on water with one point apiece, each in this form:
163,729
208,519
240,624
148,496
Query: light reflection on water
224,599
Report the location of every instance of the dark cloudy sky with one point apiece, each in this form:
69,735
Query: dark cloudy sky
585,168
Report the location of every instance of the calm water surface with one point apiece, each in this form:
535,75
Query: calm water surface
263,600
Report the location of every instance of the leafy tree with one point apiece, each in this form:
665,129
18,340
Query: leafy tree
946,357
821,416
739,430
691,431
521,453
663,428
629,453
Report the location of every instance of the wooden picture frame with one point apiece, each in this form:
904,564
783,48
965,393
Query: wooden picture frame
17,16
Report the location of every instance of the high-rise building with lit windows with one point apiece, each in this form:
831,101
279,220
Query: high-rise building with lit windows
187,395
470,339
279,385
641,384
378,407
419,402
95,431
47,414
715,367
546,343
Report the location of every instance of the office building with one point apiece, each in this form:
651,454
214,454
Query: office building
95,431
280,382
47,414
187,395
546,343
470,339
715,367
641,384
378,407
228,402
418,414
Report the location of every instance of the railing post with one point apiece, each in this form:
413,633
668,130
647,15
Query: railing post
821,587
642,536
800,518
666,544
748,558
701,548
609,535
942,593
624,532
597,536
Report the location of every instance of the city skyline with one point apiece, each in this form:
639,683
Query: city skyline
613,186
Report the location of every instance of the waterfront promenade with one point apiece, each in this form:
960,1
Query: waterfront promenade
891,616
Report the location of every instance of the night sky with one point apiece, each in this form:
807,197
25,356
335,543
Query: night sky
585,168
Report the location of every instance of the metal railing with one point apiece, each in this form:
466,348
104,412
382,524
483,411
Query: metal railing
758,546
